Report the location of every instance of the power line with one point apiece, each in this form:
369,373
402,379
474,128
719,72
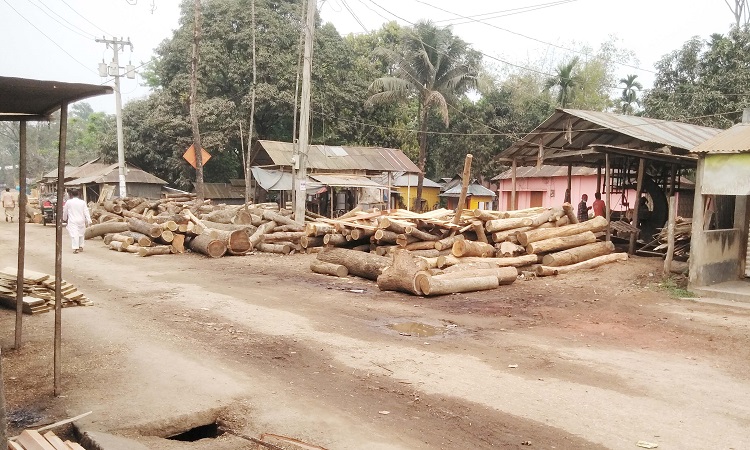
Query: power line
75,29
84,18
510,12
346,5
50,39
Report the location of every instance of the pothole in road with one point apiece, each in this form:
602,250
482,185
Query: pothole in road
417,329
207,431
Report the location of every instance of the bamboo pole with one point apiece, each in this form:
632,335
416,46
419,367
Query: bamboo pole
21,235
57,356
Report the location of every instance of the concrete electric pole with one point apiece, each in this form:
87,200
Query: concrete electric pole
113,70
300,188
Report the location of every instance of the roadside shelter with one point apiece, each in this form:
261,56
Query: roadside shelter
23,100
720,246
629,152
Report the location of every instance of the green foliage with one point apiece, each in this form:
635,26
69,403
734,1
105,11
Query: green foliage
676,288
565,82
629,95
704,82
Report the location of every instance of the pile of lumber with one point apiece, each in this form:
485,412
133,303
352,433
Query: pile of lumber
682,233
33,440
545,241
38,292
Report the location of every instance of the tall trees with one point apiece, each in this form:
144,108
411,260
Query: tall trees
564,81
435,68
704,82
629,93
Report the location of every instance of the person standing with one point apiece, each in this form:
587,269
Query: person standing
598,206
583,210
9,204
76,214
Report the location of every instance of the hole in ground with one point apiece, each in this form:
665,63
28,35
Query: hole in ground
207,431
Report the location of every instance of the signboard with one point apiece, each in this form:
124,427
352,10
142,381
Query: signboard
189,156
726,174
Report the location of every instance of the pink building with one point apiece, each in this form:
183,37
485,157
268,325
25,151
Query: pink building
546,187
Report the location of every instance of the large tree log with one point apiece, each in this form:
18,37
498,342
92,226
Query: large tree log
110,217
562,221
447,243
421,245
237,241
101,229
359,233
588,264
570,212
208,245
178,243
505,275
335,240
541,218
391,224
113,207
430,253
157,250
578,254
310,241
561,243
486,215
386,237
278,218
199,225
509,249
524,212
281,248
149,229
517,261
507,224
318,228
404,239
284,236
243,217
257,237
365,265
138,238
250,229
166,237
116,246
437,285
508,235
478,228
220,216
127,240
140,207
400,274
596,224
463,247
337,270
421,235
134,215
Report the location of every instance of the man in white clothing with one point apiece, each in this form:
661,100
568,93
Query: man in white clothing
76,213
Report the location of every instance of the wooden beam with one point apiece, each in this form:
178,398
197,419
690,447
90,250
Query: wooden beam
57,361
599,179
639,187
22,200
514,192
568,193
464,188
670,235
608,187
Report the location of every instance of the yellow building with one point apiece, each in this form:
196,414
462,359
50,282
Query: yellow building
477,197
406,186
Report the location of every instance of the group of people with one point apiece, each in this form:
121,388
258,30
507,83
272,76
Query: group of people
598,206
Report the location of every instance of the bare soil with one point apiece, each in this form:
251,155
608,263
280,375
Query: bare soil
599,359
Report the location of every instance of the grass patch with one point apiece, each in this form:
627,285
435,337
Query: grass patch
676,288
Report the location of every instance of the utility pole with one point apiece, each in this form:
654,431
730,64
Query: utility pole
300,188
113,70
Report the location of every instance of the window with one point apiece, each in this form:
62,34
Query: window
537,199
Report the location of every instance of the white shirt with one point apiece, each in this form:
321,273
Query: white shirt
76,213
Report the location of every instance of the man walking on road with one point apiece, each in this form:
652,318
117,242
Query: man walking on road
9,204
76,214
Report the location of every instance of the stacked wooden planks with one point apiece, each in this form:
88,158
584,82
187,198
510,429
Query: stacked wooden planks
545,241
38,292
33,440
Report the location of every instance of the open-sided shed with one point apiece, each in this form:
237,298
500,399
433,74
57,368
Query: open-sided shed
631,151
23,100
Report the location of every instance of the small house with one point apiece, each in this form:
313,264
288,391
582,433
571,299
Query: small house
477,196
405,187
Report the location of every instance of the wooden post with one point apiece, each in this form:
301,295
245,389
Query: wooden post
464,188
568,193
330,196
599,179
21,234
58,246
639,187
670,235
514,191
608,187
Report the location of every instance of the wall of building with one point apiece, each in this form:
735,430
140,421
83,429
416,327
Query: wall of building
150,191
408,194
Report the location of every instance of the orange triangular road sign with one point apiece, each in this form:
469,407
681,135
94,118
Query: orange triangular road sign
190,156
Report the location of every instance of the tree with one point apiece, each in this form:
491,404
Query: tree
740,10
435,68
565,81
194,61
704,82
629,94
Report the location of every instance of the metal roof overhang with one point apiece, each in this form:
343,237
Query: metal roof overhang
25,99
355,181
582,138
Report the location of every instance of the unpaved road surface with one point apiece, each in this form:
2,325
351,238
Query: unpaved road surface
600,359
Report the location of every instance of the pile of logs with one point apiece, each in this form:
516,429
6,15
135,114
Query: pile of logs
38,292
682,231
437,253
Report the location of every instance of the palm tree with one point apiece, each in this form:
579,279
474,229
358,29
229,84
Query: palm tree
565,80
629,94
433,67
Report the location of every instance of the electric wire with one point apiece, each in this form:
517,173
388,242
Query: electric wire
84,18
75,29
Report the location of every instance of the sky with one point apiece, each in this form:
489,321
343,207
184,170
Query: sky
55,39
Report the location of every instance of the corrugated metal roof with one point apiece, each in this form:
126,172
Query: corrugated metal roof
346,181
100,173
222,191
411,180
473,189
546,171
733,140
336,158
594,128
26,99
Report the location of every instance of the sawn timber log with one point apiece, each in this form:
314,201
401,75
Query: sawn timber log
365,265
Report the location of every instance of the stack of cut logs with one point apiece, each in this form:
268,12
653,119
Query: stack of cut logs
38,292
438,253
179,222
682,231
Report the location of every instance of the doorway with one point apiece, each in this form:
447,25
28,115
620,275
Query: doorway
537,199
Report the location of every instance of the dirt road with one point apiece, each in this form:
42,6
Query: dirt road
601,359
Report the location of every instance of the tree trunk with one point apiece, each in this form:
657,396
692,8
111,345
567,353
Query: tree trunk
138,238
509,249
278,218
220,216
508,235
528,212
578,254
438,285
589,264
318,228
400,274
134,215
447,243
518,261
570,213
149,229
478,228
422,152
404,239
208,245
166,237
561,243
309,242
157,250
386,237
598,223
507,224
504,275
541,218
257,237
365,265
178,243
284,236
249,229
336,270
421,245
116,246
485,215
197,19
334,239
358,233
112,207
464,247
101,229
391,224
419,234
237,241
127,240
280,248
